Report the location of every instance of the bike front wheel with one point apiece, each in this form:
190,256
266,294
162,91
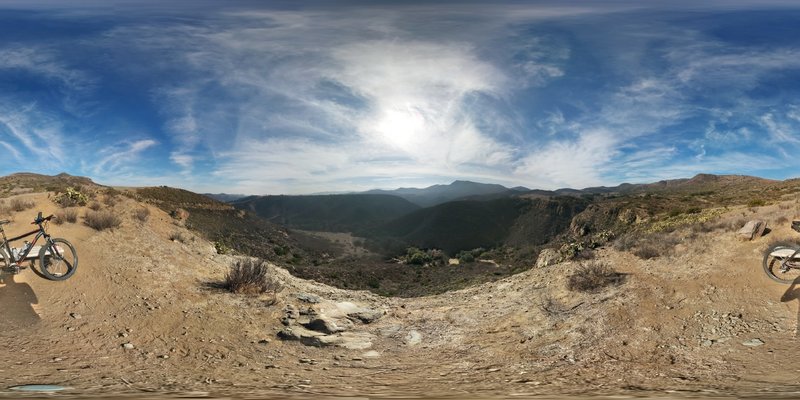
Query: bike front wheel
58,260
779,266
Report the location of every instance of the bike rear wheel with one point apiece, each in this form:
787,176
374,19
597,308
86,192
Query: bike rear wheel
775,267
58,260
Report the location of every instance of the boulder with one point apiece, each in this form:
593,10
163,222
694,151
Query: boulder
366,316
325,324
547,257
751,230
308,298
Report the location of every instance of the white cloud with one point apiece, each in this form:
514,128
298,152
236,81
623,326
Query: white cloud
571,163
44,62
120,157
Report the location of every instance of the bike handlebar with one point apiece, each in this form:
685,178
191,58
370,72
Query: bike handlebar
39,219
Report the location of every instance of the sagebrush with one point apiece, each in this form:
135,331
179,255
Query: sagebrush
591,277
250,276
102,220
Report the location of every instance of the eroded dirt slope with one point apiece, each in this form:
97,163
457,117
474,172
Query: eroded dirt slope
677,323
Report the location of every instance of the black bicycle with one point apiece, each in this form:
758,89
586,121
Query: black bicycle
57,257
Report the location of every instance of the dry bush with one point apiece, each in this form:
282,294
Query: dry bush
180,214
20,204
141,214
101,220
593,276
781,220
646,251
647,246
110,200
179,236
95,206
625,242
250,276
66,215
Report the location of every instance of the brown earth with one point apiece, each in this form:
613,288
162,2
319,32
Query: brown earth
676,326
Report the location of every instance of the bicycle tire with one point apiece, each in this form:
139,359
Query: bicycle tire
772,263
58,263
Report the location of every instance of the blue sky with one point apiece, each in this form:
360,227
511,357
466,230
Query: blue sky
302,97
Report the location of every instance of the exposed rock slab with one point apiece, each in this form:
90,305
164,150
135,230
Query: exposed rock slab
751,230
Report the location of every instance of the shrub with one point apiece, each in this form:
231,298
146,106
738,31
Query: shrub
20,204
593,276
465,257
110,200
179,214
71,198
221,248
647,251
756,203
141,214
101,220
250,276
94,206
179,236
66,215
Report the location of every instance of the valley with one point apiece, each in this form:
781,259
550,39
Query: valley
145,314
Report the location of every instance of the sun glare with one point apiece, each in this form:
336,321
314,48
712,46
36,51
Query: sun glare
402,127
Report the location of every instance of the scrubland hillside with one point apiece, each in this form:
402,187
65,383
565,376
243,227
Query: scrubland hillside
145,315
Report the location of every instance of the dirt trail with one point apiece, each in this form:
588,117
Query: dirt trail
677,325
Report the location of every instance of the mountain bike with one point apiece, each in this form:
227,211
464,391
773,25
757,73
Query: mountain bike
782,263
57,257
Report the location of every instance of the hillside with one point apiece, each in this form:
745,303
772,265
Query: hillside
464,225
331,213
699,320
438,194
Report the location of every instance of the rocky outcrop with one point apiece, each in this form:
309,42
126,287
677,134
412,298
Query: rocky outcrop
327,323
751,230
547,257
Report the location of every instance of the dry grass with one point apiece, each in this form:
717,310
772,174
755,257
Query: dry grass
178,236
141,214
20,204
66,215
648,245
95,206
102,220
110,200
592,277
250,276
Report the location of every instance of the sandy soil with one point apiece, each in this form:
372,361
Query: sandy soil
675,327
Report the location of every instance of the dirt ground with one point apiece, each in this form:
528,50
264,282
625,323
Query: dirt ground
683,325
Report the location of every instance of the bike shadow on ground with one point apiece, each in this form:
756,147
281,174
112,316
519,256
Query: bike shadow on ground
793,293
16,303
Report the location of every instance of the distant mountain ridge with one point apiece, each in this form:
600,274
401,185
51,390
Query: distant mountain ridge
438,194
225,197
334,213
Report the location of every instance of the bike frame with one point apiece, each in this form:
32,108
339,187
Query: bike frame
785,263
6,242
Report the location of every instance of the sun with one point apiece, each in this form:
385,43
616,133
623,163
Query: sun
401,127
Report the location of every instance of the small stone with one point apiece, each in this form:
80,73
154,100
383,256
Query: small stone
164,356
264,341
75,315
123,334
57,359
753,342
71,329
306,361
127,346
308,298
413,338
